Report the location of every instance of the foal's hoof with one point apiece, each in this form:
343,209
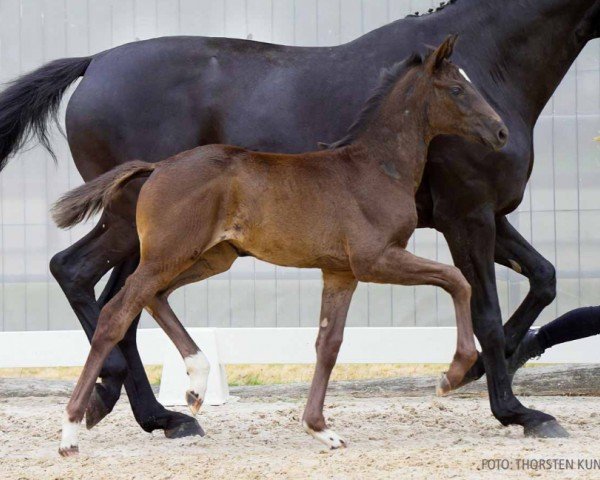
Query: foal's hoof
327,437
68,451
186,429
443,387
194,401
548,429
96,409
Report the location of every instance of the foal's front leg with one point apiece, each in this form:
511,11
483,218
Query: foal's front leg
337,294
398,266
218,259
196,363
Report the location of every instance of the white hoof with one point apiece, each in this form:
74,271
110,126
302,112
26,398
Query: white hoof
327,437
69,444
197,368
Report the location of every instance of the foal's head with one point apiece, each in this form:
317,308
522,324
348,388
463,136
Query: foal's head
435,89
453,105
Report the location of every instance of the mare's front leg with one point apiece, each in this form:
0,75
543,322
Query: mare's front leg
471,240
514,252
338,289
397,266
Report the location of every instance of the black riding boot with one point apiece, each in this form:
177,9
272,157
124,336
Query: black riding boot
529,348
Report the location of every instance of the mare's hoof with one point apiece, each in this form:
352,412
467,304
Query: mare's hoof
194,401
443,386
96,409
548,429
68,451
186,429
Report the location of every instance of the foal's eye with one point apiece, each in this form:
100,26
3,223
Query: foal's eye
456,90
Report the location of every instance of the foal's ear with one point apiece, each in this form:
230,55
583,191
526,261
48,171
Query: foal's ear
441,53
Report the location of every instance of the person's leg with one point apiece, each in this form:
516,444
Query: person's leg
574,325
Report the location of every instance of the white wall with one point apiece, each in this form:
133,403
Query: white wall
560,214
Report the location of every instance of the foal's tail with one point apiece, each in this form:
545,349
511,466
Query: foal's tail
82,202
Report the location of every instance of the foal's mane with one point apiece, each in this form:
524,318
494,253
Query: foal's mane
387,80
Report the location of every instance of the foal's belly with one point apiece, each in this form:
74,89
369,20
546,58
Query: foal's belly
300,252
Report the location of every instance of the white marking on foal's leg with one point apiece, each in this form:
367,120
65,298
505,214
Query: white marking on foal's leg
327,437
68,442
197,368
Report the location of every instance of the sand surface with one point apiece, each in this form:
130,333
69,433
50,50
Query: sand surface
396,438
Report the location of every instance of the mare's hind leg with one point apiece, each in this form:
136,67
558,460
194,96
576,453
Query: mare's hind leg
338,289
77,270
399,266
115,318
217,260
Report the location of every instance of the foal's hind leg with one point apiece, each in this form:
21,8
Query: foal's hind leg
148,412
399,266
338,289
112,243
115,319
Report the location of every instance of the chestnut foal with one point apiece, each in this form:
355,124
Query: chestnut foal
349,211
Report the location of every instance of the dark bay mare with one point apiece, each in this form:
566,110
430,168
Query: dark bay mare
152,99
350,212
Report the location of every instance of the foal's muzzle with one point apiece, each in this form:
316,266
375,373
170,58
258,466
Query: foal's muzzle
496,135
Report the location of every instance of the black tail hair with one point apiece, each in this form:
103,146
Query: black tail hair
33,99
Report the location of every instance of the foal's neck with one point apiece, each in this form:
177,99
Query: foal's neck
397,140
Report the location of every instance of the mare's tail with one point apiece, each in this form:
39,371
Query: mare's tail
31,100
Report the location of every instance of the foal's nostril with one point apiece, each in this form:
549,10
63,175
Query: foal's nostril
503,134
